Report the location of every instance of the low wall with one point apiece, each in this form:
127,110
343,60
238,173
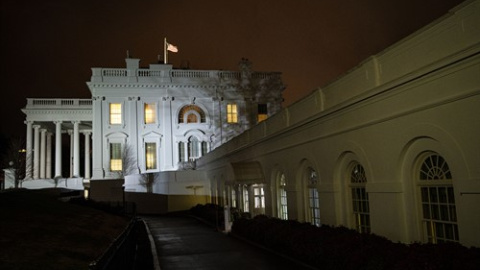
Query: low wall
146,203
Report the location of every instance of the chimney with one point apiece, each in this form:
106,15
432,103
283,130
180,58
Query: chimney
132,63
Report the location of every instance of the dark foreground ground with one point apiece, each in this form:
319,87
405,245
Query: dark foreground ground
38,231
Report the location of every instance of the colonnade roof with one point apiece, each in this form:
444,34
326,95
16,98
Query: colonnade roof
48,111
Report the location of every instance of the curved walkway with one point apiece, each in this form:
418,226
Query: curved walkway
186,243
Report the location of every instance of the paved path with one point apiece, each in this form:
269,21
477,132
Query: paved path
186,243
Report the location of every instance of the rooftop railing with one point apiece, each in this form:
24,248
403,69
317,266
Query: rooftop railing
71,103
116,74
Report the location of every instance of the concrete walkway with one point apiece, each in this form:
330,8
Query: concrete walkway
186,243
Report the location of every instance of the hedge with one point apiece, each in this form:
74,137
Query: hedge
329,247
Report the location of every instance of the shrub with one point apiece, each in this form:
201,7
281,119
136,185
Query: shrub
329,247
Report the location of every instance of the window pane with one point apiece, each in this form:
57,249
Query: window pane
192,118
115,157
115,113
150,113
451,196
181,151
444,212
151,156
433,195
435,210
426,211
232,115
360,203
193,148
425,197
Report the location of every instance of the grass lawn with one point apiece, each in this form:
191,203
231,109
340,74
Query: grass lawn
38,231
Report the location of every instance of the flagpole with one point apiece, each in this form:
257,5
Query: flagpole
165,56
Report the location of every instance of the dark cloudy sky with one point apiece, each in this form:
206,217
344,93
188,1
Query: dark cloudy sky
49,46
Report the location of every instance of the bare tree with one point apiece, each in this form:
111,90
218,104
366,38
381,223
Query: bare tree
16,157
129,162
146,180
130,167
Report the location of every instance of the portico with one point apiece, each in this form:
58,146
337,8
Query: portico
55,117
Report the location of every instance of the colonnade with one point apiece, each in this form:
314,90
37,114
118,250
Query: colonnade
39,155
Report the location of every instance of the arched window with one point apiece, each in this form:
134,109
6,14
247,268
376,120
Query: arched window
191,114
313,200
439,215
360,204
282,197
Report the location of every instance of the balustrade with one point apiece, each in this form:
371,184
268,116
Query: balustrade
56,103
188,74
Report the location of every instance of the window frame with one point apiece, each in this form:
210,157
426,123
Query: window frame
282,198
191,109
155,154
115,118
262,112
232,113
154,113
359,199
434,227
115,165
313,199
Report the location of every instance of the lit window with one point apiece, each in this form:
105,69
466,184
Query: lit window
232,113
150,156
115,113
191,114
115,157
262,113
150,113
313,200
438,200
192,118
361,208
282,198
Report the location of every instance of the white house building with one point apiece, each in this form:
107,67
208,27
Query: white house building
392,147
143,121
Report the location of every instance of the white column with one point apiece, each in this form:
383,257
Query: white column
43,133
185,150
76,149
97,139
36,150
70,162
87,154
28,154
48,163
58,149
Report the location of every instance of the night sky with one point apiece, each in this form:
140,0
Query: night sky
49,46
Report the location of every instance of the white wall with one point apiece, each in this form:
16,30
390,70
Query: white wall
419,95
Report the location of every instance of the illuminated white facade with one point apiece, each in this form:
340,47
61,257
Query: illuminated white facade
170,117
156,119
